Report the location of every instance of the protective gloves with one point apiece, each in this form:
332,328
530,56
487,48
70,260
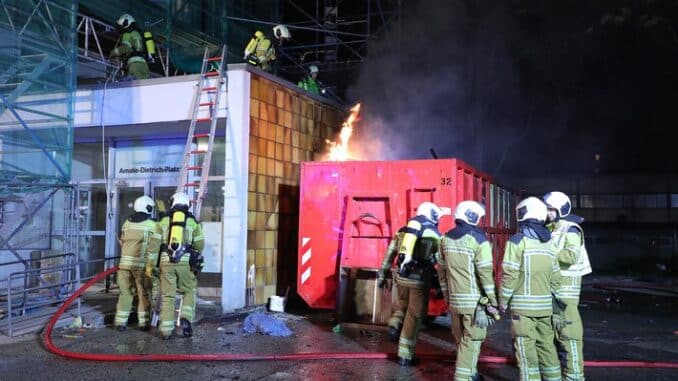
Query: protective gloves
503,308
481,320
559,322
558,318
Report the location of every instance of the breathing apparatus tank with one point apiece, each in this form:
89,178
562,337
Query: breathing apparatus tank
150,45
176,246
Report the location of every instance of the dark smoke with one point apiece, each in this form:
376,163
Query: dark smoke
523,89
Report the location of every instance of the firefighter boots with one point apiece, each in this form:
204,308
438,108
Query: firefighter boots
186,327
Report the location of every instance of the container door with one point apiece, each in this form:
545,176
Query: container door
415,196
367,231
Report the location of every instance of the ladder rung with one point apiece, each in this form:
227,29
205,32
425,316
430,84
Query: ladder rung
212,74
206,119
206,104
193,184
193,168
211,88
214,59
198,151
204,135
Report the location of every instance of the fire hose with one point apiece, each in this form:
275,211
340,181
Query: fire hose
278,357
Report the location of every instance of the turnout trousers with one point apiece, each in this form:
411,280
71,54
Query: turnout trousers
468,339
176,277
533,341
417,305
129,283
570,342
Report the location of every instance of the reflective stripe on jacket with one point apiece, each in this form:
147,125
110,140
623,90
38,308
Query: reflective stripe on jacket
139,242
466,265
531,275
193,236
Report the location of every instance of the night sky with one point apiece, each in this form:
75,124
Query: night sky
536,87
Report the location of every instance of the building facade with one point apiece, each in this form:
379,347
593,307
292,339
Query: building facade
129,140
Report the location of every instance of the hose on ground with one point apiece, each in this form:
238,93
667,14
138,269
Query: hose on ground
49,344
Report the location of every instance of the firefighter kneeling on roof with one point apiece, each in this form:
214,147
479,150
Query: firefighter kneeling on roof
416,260
180,260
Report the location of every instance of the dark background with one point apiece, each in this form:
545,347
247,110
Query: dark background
516,87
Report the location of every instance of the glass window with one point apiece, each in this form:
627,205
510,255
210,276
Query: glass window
609,201
586,201
674,200
213,204
651,200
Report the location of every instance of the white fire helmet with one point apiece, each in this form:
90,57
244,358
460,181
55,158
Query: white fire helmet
558,201
313,68
144,204
126,20
470,212
531,208
281,32
432,211
180,198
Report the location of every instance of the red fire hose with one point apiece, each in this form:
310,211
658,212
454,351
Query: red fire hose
290,356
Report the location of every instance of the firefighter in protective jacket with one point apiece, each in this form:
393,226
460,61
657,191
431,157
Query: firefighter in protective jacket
182,243
465,265
260,51
133,49
530,288
310,82
416,261
139,241
395,321
574,263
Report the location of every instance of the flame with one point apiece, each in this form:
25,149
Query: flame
338,151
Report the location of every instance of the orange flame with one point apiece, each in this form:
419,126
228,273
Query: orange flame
338,151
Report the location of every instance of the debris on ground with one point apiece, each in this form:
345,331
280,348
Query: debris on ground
77,323
266,324
71,336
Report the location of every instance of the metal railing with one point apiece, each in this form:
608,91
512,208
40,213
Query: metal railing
25,299
90,29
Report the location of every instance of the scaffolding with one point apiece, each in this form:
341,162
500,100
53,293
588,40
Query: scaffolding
181,30
49,46
332,34
37,83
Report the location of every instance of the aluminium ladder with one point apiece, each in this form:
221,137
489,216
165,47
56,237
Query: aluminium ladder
197,157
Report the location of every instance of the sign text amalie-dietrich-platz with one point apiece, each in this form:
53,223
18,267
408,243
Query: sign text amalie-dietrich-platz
142,169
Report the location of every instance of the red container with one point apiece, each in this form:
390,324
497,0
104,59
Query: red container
350,210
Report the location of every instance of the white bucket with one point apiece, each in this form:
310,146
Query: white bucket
277,303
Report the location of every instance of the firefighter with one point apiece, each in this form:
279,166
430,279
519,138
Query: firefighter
131,48
139,240
530,287
395,321
310,82
261,51
182,243
574,263
465,266
416,261
153,272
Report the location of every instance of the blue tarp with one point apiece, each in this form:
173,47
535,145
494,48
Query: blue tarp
263,323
